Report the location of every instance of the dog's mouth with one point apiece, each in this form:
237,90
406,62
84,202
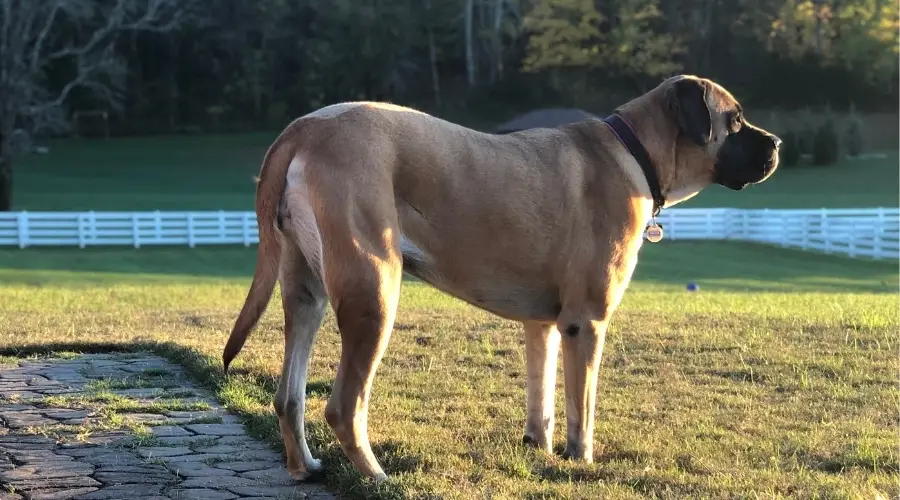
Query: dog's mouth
735,186
747,158
769,167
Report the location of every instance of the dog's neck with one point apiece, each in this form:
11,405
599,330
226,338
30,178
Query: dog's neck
643,115
627,137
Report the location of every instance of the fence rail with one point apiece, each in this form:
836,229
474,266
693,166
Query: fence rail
869,232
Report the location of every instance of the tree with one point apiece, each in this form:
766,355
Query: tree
41,40
563,33
573,34
859,35
636,47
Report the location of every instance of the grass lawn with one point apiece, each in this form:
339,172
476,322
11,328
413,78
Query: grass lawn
849,184
778,378
216,172
158,173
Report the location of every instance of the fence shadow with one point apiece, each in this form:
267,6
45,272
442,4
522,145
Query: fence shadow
231,261
731,266
752,267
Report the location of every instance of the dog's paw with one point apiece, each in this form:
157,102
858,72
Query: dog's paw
299,475
529,441
313,469
536,443
577,453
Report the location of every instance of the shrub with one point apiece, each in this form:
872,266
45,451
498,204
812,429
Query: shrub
277,114
806,141
789,153
806,135
825,144
854,134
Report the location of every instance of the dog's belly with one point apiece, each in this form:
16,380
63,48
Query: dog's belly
508,295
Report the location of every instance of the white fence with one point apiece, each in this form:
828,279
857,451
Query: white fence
870,232
127,228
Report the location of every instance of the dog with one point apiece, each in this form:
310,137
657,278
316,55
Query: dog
541,226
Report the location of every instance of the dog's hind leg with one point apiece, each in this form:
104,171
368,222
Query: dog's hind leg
304,302
363,269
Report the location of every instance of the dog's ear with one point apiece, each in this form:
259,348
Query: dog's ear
687,101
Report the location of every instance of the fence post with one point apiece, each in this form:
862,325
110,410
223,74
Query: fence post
157,219
734,220
783,235
245,228
745,225
804,234
23,229
81,230
190,229
222,226
876,244
825,234
725,224
92,217
135,230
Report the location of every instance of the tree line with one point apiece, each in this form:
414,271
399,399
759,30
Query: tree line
174,66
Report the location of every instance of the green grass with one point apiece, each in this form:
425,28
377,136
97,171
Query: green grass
777,379
216,172
117,403
158,173
110,411
848,184
136,381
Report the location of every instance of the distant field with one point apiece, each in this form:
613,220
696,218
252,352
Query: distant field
216,172
777,379
159,173
849,184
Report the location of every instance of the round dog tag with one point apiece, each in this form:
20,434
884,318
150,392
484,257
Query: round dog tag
654,233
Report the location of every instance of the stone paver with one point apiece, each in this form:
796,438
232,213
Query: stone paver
68,451
217,429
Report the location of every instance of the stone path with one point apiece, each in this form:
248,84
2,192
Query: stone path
127,426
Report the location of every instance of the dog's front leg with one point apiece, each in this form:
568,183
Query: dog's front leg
541,355
582,348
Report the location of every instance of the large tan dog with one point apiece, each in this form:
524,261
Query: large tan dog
541,226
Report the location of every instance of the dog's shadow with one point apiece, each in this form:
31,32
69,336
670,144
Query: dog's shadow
395,458
556,469
319,389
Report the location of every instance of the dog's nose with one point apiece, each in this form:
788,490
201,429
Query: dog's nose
775,140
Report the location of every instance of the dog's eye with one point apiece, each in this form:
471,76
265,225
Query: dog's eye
735,124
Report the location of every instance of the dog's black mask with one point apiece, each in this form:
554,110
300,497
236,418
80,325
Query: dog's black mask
747,157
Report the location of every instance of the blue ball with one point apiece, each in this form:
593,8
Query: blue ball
693,287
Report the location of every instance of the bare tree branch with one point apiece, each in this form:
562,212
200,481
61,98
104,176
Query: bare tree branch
42,36
37,35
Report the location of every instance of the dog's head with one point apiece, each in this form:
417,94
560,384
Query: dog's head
711,122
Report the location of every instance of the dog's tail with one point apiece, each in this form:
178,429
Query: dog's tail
269,190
